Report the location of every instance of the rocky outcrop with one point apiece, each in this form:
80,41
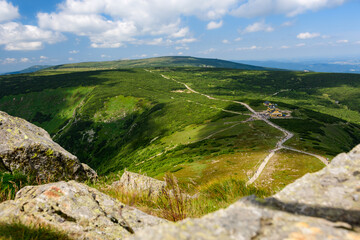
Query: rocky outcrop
27,148
247,221
77,209
322,205
130,181
332,193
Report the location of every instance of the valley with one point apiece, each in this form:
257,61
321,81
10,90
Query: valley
201,124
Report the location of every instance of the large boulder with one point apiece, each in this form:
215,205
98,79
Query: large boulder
81,211
27,148
130,181
322,205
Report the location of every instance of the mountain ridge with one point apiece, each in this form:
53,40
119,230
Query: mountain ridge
166,61
31,69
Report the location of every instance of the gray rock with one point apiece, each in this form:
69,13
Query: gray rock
27,148
90,173
130,181
81,211
325,204
246,221
331,193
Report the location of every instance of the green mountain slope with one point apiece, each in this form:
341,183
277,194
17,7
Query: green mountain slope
147,120
178,61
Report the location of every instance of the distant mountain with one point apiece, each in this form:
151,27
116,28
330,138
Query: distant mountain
29,69
176,61
335,67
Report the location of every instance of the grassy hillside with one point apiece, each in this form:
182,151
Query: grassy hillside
325,106
139,120
178,61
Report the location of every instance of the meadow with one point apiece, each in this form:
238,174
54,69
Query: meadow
135,119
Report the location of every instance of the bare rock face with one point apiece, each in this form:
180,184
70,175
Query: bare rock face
130,181
318,206
27,148
77,209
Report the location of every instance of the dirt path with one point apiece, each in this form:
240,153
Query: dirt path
280,143
321,158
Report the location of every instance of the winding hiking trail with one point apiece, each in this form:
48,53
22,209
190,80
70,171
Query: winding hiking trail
256,115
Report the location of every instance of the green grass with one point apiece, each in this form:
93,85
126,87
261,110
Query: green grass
19,231
175,204
306,89
132,118
11,183
284,168
59,107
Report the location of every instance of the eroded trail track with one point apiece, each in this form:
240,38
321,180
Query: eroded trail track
280,144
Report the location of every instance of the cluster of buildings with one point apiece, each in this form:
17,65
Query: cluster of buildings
273,110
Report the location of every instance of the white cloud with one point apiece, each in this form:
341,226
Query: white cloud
238,39
115,23
254,47
307,35
256,8
105,56
16,36
342,41
214,25
183,32
23,46
9,60
186,40
43,57
208,51
73,51
24,60
300,45
287,24
71,59
257,27
8,11
284,47
182,47
225,41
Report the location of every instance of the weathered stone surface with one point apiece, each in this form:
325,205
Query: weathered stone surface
30,149
329,194
130,181
245,221
332,193
81,211
90,173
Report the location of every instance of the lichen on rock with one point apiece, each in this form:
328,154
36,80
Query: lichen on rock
27,148
81,211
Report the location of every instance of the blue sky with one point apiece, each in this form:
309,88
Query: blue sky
63,31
